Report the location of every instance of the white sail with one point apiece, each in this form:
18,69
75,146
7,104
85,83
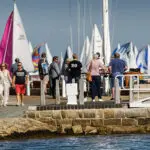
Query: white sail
20,42
85,50
96,41
131,58
48,54
69,52
30,48
84,54
107,48
61,61
95,44
142,59
118,46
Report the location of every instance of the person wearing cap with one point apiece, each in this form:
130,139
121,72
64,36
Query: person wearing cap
14,66
43,70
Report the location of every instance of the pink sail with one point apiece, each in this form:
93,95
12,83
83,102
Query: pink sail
6,43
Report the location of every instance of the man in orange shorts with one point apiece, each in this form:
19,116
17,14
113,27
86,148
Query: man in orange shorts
20,79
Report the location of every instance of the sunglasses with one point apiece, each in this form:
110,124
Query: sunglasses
18,65
3,66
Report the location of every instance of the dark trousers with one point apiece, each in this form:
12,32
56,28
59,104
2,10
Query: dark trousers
95,87
53,88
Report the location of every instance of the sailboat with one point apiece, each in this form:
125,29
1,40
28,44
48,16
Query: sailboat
14,42
30,48
68,55
96,44
84,54
128,52
48,54
142,59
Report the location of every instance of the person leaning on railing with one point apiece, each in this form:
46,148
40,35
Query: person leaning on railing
117,67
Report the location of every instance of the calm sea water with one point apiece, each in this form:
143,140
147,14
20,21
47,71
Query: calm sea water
113,142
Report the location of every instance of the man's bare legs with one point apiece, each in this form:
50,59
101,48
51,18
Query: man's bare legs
22,98
18,99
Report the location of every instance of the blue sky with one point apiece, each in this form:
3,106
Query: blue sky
49,21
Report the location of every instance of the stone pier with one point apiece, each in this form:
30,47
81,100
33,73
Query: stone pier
75,122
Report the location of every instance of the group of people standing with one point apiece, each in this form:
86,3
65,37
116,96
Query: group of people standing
17,78
51,72
97,69
73,68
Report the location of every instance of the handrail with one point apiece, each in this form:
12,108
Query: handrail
133,79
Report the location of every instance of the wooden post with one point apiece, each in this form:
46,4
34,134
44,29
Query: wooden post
42,94
57,92
117,91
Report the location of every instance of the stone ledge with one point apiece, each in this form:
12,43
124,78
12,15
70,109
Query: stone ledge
143,121
129,122
108,113
97,122
82,122
112,122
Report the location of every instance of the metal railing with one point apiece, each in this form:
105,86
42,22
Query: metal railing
132,85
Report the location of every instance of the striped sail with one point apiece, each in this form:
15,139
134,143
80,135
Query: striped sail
142,59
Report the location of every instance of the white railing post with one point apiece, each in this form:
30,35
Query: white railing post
138,83
81,91
42,94
63,87
28,89
117,91
131,89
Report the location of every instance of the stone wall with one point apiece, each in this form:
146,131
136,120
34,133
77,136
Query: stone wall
83,121
95,121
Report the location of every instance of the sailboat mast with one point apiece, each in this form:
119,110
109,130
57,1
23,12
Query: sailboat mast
71,41
70,27
106,36
78,18
84,17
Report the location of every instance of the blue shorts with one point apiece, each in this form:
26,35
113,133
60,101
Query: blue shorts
112,81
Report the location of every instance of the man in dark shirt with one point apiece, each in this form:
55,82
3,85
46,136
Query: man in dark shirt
75,68
14,66
117,66
43,71
20,80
